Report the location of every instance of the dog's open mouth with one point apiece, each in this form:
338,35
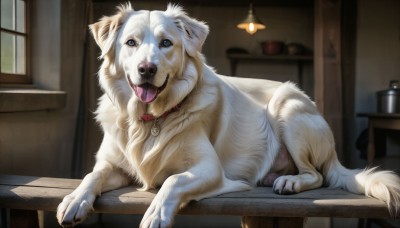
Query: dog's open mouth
147,92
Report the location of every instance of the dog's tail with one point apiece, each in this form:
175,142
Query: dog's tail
383,185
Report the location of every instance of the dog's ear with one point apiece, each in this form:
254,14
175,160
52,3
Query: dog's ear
104,33
194,32
105,30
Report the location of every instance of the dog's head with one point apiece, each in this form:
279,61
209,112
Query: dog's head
150,51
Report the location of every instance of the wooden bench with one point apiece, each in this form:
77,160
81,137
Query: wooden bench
22,196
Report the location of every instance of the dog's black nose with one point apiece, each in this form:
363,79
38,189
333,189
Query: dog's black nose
147,69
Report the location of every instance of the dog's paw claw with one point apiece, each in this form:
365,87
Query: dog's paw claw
285,185
157,216
73,210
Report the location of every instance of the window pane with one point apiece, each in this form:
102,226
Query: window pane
12,53
20,55
20,19
7,53
7,14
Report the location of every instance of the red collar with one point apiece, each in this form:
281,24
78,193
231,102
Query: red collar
149,117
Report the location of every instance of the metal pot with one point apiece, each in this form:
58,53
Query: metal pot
389,99
272,47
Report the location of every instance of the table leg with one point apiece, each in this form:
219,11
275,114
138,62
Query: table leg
233,67
371,145
23,218
268,222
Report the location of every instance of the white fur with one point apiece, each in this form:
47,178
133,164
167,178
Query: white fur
225,137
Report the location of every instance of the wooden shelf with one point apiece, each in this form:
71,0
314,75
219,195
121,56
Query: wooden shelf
270,57
298,59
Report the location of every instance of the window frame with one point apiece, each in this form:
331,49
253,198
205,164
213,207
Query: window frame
7,78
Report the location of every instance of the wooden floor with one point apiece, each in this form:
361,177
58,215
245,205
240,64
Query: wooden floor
40,193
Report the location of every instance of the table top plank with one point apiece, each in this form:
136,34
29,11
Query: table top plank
39,181
40,193
379,115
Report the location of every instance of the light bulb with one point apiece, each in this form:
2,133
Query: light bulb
251,28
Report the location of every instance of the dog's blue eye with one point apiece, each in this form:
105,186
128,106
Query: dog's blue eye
165,43
131,43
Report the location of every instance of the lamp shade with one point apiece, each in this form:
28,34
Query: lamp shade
251,24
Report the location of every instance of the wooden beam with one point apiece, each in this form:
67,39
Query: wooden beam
349,30
327,66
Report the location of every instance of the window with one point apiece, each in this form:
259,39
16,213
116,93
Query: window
14,42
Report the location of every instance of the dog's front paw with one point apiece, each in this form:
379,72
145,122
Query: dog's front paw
157,216
286,185
73,209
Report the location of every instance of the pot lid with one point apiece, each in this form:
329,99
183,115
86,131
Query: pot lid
390,91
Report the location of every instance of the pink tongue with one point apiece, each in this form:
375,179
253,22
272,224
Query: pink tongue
146,93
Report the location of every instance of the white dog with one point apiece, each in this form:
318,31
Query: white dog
171,122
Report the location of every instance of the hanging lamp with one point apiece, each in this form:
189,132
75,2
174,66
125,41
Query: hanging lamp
251,24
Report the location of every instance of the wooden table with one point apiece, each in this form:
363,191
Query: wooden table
381,121
260,207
